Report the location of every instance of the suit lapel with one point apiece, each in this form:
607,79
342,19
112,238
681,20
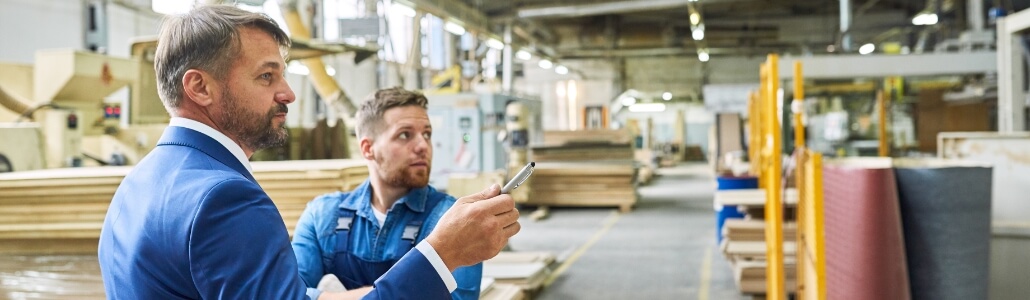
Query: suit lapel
181,136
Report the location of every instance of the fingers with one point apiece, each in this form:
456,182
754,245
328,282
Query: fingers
491,191
509,217
497,205
512,229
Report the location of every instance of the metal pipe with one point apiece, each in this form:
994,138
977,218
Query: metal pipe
13,103
845,25
506,64
325,85
975,11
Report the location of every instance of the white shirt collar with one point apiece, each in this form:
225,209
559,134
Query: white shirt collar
218,136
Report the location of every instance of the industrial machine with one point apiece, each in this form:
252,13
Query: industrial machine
68,111
472,132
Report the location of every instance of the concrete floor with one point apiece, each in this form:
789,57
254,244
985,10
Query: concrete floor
663,249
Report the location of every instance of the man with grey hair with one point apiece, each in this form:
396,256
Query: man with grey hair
190,221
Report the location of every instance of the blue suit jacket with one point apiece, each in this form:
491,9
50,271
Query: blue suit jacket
190,222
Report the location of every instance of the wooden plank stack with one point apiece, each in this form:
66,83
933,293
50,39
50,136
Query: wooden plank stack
583,151
561,137
743,242
292,184
56,210
525,270
583,184
491,290
584,168
62,210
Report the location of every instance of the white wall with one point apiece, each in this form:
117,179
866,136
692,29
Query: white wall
594,86
697,122
27,26
30,25
125,25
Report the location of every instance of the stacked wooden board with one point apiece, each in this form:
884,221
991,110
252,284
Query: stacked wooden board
62,210
583,151
491,290
584,168
583,184
525,270
561,137
292,184
743,240
56,210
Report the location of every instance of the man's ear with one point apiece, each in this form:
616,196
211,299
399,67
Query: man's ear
365,146
199,87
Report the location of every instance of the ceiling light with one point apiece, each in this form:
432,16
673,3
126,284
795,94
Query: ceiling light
925,18
666,96
494,43
702,55
560,69
546,64
627,101
403,10
695,18
699,32
330,70
866,49
523,55
647,107
454,28
171,7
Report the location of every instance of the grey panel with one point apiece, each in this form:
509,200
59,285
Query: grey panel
946,215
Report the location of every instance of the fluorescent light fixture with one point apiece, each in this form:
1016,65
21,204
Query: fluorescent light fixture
560,69
454,28
546,64
866,49
523,55
698,33
695,18
171,7
494,43
628,101
403,10
330,70
297,68
702,55
647,107
925,18
666,96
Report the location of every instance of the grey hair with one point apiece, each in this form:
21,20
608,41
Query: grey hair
370,115
207,38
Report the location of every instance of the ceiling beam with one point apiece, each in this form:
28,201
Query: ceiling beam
583,10
665,51
455,10
859,66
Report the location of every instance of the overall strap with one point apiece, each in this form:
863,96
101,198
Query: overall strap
344,219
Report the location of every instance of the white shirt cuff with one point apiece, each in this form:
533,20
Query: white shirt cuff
437,262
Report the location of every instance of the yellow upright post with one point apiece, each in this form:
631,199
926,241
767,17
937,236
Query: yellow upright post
773,186
798,107
881,100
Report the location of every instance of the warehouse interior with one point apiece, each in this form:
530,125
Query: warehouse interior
684,149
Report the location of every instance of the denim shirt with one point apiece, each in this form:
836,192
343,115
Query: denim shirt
314,240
